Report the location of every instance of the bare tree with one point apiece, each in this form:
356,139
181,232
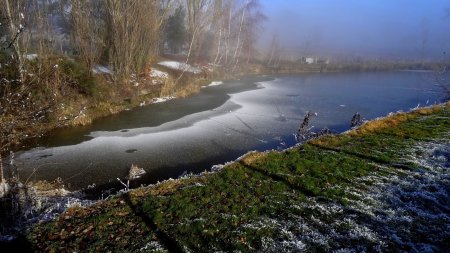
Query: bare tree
442,77
88,30
198,18
217,26
251,28
274,52
235,26
241,24
12,12
133,29
222,28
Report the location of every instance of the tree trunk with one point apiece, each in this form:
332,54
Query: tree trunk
227,45
218,46
188,56
14,34
2,177
239,33
237,50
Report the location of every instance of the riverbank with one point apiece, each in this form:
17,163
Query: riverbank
106,99
215,126
158,83
382,187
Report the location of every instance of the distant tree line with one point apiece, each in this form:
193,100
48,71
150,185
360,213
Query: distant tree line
128,35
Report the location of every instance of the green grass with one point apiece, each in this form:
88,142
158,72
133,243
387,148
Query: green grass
209,215
222,210
388,144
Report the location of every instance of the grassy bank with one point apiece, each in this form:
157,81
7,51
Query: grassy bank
382,187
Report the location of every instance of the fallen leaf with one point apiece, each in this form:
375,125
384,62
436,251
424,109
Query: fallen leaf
88,229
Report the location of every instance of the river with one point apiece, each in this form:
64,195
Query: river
217,125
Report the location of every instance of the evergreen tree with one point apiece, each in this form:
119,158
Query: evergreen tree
175,30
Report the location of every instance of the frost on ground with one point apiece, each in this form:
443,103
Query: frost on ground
400,210
29,205
180,66
158,76
152,246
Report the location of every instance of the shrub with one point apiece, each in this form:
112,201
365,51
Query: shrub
79,76
9,72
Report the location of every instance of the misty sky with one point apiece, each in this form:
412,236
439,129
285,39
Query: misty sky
390,29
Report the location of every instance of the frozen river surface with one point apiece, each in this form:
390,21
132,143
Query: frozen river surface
217,125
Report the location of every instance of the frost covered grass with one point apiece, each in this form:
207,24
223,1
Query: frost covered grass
25,204
374,189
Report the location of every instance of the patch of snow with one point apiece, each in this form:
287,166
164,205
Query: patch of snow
180,66
31,57
155,73
215,83
100,69
162,99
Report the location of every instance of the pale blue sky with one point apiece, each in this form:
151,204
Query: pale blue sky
386,28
